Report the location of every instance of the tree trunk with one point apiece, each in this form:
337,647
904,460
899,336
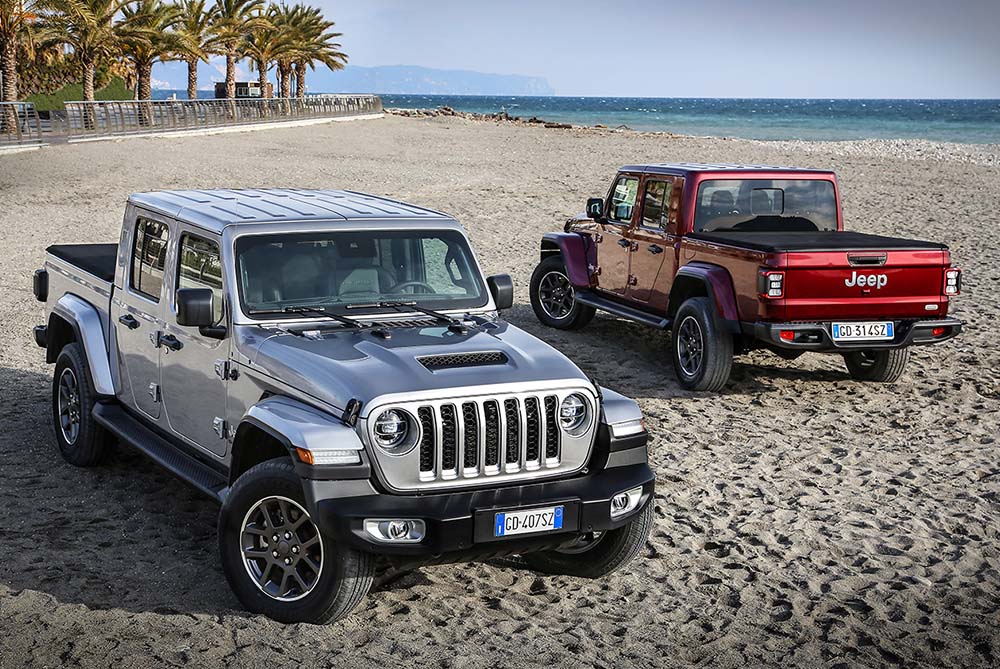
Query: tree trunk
144,88
8,65
89,112
231,81
300,83
231,74
286,84
192,63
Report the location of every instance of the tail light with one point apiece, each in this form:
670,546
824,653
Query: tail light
771,284
952,281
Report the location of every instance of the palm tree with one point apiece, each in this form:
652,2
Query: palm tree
314,44
232,20
88,28
266,44
17,18
149,39
193,32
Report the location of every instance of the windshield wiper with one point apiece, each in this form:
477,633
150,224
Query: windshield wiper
319,311
454,324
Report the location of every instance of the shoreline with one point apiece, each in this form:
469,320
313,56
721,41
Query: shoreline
905,149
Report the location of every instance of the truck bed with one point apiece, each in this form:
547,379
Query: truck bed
772,242
96,259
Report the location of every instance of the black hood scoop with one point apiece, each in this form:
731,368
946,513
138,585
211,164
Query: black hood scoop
454,360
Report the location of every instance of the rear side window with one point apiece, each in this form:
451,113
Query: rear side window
149,257
200,266
656,205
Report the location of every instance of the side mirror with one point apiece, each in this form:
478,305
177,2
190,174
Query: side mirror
194,307
595,208
502,289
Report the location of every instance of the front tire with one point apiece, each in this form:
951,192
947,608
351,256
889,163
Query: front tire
82,442
596,556
885,366
553,297
701,350
275,558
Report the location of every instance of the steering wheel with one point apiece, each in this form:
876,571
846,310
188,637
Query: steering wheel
400,287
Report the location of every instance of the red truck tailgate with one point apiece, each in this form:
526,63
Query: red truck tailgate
864,284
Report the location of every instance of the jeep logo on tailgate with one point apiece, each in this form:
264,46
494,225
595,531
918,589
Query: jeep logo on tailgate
874,280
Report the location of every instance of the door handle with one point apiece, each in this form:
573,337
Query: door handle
624,243
171,342
654,249
129,321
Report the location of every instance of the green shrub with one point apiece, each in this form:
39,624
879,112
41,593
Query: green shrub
116,90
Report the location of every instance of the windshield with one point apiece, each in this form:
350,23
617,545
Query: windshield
765,205
432,268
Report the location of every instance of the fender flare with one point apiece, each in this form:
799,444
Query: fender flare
85,320
297,425
715,282
575,252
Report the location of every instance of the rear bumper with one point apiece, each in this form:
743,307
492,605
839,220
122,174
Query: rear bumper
459,525
816,336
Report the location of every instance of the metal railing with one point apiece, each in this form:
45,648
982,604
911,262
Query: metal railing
20,125
129,117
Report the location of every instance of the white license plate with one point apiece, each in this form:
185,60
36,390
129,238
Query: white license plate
507,523
862,331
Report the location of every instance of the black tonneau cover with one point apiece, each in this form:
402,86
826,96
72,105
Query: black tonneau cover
96,259
814,241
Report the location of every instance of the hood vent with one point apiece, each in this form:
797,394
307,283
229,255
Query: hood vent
453,360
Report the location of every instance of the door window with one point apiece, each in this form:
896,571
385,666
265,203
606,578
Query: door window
200,266
656,205
623,198
149,256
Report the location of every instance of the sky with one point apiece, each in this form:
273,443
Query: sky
697,48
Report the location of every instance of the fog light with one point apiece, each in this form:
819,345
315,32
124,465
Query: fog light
396,530
624,502
787,335
937,332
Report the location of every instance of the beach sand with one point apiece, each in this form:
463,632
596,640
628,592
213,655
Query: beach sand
802,519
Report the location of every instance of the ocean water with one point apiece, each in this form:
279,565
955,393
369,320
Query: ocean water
965,121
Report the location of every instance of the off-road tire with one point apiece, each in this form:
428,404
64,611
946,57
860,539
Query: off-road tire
614,550
346,574
696,318
92,442
577,317
885,366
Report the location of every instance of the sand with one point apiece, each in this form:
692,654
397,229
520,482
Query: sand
802,519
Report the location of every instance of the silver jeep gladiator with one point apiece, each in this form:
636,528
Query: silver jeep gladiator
332,369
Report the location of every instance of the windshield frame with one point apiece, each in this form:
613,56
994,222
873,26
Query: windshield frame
234,234
693,195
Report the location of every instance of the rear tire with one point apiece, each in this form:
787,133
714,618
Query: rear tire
553,297
312,579
702,351
885,366
597,556
82,442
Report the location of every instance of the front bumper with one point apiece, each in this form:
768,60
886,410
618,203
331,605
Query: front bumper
817,337
459,524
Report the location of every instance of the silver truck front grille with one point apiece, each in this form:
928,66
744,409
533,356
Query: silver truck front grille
463,441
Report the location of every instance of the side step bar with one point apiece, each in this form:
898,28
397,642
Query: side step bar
604,304
185,467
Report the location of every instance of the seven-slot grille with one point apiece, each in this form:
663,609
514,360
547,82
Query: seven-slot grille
487,437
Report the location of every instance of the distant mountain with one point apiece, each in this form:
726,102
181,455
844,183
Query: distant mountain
410,79
406,79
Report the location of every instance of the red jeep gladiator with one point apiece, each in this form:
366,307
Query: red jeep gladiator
730,258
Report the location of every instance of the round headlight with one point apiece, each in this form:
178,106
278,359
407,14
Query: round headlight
573,412
392,428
